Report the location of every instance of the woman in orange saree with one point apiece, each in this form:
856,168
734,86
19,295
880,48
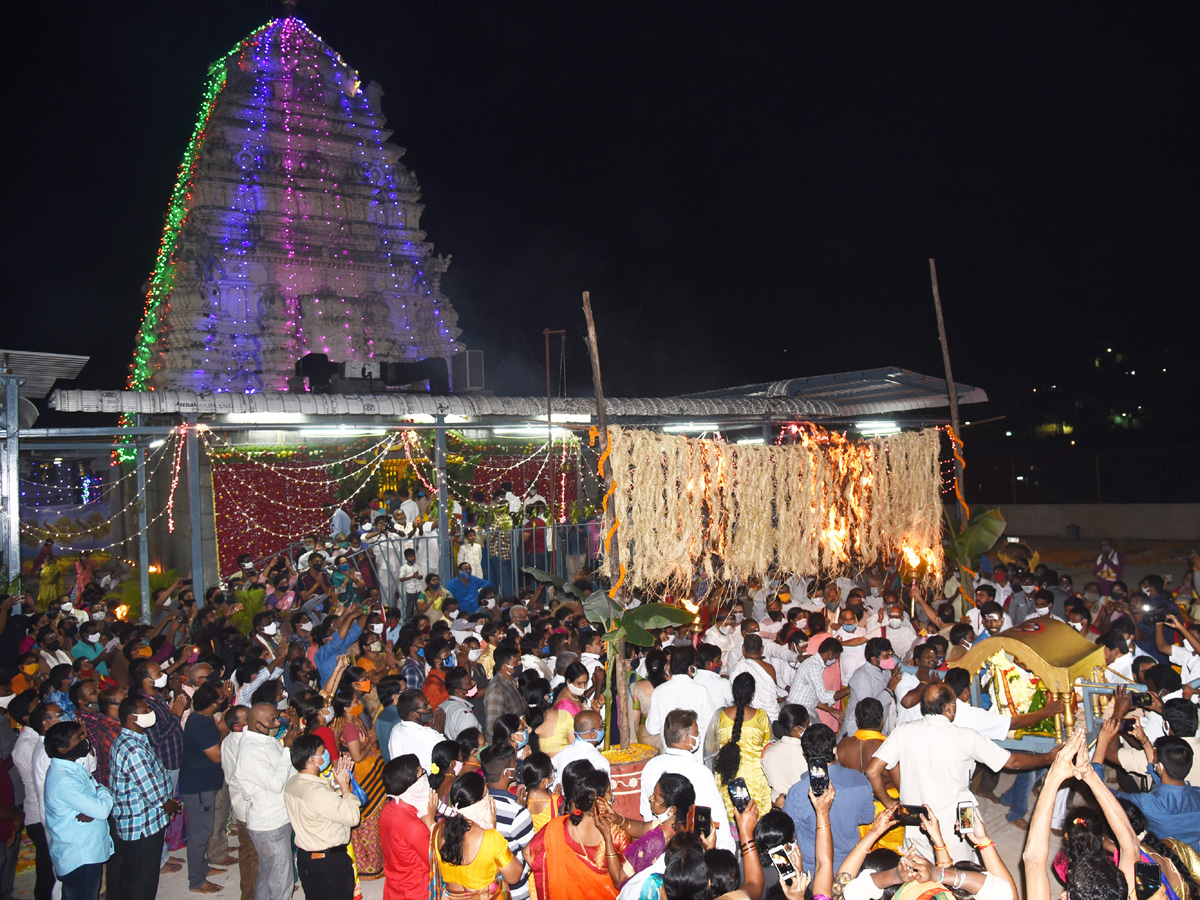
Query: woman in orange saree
580,855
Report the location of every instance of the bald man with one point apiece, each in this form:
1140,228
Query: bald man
936,760
589,732
263,768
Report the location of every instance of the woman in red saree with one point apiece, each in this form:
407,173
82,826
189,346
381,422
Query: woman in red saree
580,855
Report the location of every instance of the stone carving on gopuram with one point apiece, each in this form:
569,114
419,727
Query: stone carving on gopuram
293,228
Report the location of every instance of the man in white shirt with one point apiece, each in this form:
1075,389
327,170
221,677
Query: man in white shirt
589,732
984,596
263,768
1187,655
411,510
591,648
1118,661
943,784
412,733
680,691
30,746
773,653
471,551
235,720
708,676
892,622
681,740
853,637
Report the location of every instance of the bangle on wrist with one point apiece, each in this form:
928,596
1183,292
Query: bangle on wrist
942,873
985,845
937,849
959,878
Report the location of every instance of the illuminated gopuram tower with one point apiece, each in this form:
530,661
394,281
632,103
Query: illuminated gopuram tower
293,228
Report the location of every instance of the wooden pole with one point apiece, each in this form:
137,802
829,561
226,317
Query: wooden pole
625,712
951,389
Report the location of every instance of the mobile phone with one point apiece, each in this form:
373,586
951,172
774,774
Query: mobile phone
1013,540
818,777
1126,726
1147,879
965,817
699,820
783,865
739,794
908,815
1141,700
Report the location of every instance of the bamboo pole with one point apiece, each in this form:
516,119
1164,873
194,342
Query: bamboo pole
950,388
612,561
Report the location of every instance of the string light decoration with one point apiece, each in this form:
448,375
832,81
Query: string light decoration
170,448
292,228
687,507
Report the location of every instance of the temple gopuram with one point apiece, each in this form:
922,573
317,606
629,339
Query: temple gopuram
293,228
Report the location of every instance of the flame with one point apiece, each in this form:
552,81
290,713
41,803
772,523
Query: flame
121,611
911,556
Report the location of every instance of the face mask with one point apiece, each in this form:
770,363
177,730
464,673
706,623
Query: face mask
98,615
474,655
377,628
375,646
1028,588
93,638
362,686
425,717
270,629
665,817
893,622
1043,610
306,626
453,614
849,629
310,547
343,568
281,705
473,691
30,669
143,652
737,617
356,709
324,761
327,715
418,794
89,763
888,664
576,691
490,602
160,681
1091,596
588,737
449,662
421,652
522,738
1078,626
145,720
79,751
874,592
693,743
1118,595
830,662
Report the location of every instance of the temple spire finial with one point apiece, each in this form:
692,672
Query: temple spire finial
289,8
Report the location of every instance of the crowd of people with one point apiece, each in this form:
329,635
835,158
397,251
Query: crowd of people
811,740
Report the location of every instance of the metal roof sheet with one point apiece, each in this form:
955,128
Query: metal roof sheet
41,370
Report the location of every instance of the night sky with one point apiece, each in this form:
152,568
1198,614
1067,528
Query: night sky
749,193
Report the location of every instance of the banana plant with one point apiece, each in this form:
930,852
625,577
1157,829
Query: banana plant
967,547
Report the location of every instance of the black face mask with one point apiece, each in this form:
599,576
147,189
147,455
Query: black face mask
79,751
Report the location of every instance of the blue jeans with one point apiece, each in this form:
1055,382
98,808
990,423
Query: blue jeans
82,883
1016,798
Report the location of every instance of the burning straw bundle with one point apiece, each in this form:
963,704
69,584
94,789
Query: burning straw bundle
687,506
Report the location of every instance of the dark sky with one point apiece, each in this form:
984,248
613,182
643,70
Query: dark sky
749,192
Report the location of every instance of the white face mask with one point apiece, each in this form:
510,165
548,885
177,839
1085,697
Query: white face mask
576,691
667,816
1028,588
489,602
88,762
895,623
693,743
145,720
1078,626
453,614
306,626
93,638
874,592
281,705
161,681
474,655
376,628
270,629
98,616
375,646
1043,610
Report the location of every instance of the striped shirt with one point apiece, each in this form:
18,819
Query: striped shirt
166,734
514,823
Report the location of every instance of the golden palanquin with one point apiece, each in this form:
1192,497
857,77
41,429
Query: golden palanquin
1049,649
